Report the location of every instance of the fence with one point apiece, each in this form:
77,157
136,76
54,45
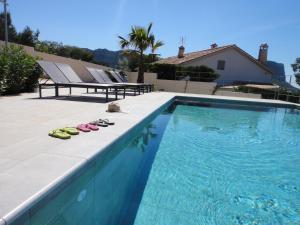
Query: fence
287,82
195,76
180,86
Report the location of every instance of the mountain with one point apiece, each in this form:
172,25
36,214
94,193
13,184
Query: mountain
107,57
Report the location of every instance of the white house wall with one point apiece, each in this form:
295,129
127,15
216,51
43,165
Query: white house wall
237,67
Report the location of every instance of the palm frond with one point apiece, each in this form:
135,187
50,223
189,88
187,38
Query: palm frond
149,29
123,42
152,40
158,44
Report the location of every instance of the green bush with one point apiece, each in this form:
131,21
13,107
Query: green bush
174,72
19,71
164,71
297,76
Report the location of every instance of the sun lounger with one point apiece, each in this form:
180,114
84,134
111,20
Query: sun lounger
101,76
63,75
119,78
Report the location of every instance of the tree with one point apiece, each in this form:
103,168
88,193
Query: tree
296,69
154,46
140,40
28,37
12,33
64,50
80,53
51,47
132,60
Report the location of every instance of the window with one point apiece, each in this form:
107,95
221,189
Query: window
221,65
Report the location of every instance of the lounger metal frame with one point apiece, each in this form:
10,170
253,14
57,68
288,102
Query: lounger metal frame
60,80
77,85
120,81
101,77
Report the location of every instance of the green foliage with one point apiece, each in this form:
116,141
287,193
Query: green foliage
174,72
28,37
50,47
139,40
164,71
197,73
131,60
296,69
19,71
64,50
25,37
154,46
12,33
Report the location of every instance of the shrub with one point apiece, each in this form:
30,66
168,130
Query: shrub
19,71
164,71
197,73
193,73
297,76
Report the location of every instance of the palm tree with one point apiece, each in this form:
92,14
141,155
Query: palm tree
154,46
140,40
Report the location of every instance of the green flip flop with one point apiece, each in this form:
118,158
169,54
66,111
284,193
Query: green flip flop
70,130
59,134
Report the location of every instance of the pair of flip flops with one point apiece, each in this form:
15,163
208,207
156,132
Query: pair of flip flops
102,123
64,133
87,127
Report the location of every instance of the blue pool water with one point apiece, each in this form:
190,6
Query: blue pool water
191,165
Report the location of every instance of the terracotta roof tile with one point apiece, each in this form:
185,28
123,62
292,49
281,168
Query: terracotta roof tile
191,56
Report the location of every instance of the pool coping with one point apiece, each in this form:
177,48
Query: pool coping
24,208
21,211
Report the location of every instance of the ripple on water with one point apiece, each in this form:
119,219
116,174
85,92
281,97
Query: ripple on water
227,167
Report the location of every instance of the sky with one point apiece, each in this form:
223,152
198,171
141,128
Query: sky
97,23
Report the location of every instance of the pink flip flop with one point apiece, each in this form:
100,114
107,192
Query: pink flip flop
83,128
92,127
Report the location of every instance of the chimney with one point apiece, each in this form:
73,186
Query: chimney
181,52
214,45
263,53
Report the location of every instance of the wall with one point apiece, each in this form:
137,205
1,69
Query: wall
175,85
77,65
29,50
238,94
148,77
237,67
201,87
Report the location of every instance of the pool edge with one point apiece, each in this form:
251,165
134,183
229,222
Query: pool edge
18,213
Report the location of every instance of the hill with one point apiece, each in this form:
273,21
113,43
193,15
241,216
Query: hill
107,57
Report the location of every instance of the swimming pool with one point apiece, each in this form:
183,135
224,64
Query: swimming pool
198,162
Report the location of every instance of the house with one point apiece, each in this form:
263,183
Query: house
233,64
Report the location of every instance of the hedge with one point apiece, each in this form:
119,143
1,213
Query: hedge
174,72
19,71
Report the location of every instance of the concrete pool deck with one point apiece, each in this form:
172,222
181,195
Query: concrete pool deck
31,161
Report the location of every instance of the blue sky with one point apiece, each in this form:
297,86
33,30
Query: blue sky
96,23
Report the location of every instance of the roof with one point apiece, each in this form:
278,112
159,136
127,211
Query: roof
277,69
208,52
